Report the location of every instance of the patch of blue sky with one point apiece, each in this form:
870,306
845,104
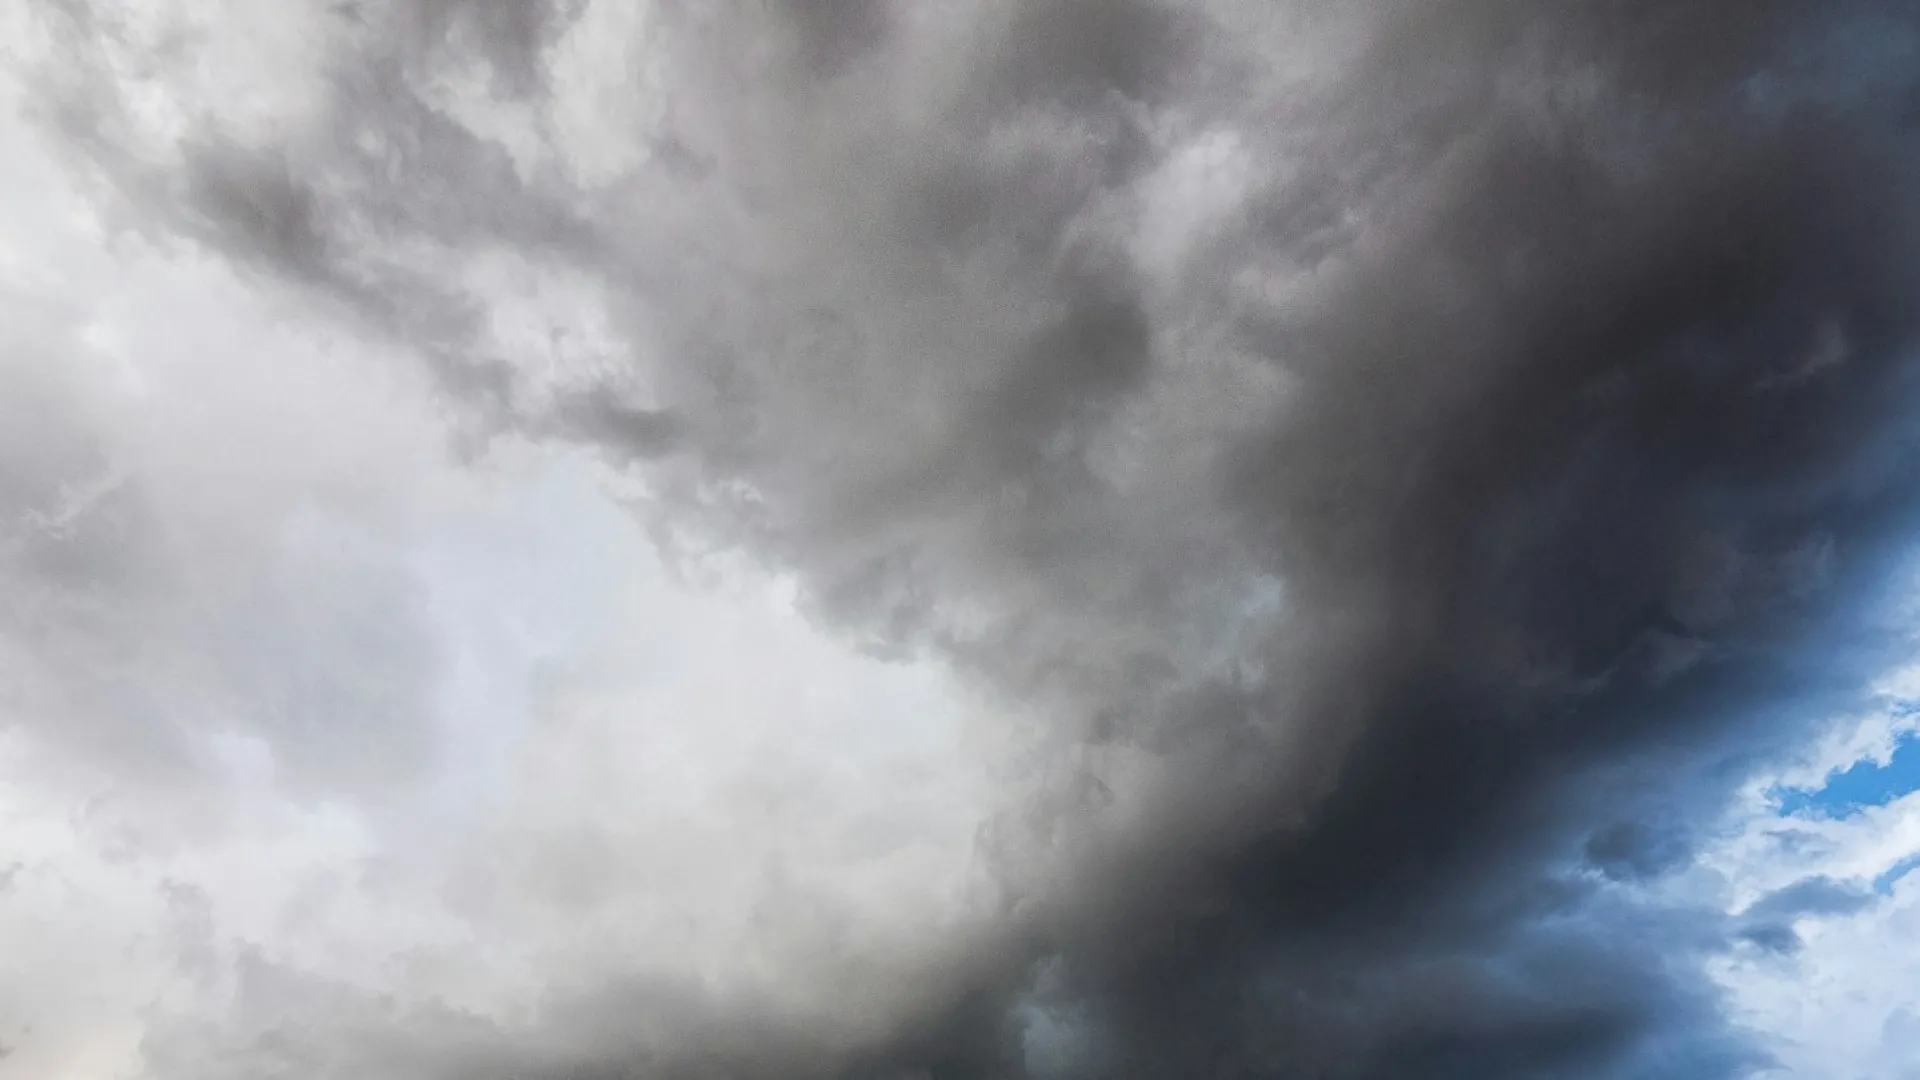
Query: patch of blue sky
1884,883
1864,784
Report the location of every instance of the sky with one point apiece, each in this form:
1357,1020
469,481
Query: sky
1004,540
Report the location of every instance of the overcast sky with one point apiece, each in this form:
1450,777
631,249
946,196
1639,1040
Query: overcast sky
1005,540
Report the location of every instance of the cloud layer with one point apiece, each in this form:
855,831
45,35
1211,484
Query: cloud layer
1400,467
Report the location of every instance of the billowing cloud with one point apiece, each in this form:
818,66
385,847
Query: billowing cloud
1391,472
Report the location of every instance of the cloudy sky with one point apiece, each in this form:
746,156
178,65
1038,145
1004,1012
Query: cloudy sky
1004,540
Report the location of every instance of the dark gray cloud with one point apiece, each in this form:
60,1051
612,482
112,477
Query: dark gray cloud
1429,499
1769,921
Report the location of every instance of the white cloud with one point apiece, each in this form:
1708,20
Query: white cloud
300,712
1841,1003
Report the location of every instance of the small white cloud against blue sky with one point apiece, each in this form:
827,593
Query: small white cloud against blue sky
1006,540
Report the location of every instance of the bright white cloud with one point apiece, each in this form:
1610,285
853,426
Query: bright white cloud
1833,997
301,710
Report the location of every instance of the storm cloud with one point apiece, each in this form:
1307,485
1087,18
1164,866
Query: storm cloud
1407,463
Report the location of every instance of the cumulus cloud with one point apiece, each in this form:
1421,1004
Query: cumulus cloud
1391,472
1818,899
